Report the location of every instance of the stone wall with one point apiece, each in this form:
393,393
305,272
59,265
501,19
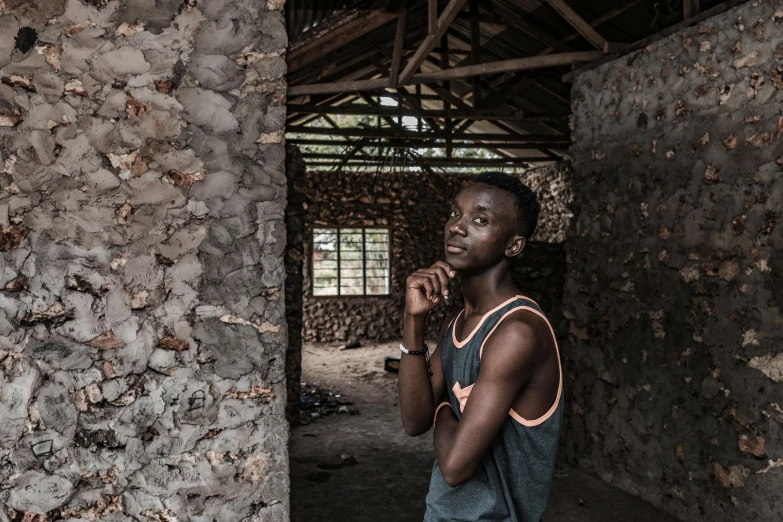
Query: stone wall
674,269
142,328
415,207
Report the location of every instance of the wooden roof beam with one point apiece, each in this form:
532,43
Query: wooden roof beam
607,16
400,91
496,100
374,132
579,23
337,37
420,144
375,110
517,64
690,8
516,20
432,39
641,44
433,162
432,16
399,44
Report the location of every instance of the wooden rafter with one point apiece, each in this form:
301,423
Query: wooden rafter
641,44
356,70
432,16
690,8
424,144
429,43
502,83
369,132
401,92
516,20
445,63
475,46
376,110
514,86
434,162
459,103
341,35
607,16
579,23
375,106
351,62
399,44
346,157
517,64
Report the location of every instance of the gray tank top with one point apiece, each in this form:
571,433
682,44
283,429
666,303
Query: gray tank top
514,478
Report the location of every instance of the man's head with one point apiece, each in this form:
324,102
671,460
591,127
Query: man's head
491,221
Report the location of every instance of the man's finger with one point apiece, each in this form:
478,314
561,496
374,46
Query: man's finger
424,282
447,267
434,280
443,279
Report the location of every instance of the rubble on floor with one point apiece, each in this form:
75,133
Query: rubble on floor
316,402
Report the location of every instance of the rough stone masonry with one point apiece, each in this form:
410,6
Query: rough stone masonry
674,278
415,208
142,195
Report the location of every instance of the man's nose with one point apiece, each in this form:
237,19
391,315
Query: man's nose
457,227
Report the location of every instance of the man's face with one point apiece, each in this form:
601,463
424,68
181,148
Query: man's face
482,222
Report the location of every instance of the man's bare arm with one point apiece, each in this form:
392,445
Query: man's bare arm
420,393
508,360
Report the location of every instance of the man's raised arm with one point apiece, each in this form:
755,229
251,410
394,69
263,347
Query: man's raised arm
419,393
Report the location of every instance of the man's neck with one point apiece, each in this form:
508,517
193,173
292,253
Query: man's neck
483,291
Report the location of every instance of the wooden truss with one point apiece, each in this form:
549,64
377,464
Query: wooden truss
445,65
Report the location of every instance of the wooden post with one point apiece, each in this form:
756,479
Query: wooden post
432,12
429,43
399,45
418,100
475,47
444,65
690,8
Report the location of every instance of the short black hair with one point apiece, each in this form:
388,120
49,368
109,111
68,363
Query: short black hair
526,202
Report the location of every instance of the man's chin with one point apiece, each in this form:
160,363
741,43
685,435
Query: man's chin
458,260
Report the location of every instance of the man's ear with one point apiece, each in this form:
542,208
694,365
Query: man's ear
514,250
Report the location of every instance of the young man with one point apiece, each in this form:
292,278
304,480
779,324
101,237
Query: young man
493,387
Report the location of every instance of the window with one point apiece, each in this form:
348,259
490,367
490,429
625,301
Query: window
351,261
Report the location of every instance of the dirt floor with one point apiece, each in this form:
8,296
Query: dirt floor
347,467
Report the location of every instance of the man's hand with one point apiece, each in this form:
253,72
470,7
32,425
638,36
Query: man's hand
425,287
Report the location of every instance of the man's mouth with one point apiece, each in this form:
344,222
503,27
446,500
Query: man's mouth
451,246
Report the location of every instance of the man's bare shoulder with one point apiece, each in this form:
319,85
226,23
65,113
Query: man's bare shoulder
518,340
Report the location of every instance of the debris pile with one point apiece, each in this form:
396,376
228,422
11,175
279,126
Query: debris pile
315,403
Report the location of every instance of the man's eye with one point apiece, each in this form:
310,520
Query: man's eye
482,219
452,213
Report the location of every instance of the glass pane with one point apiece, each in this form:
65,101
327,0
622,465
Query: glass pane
377,286
325,291
351,290
324,261
351,262
376,244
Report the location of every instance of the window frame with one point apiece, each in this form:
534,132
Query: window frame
364,260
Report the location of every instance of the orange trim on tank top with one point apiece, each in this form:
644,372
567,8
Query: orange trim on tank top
460,344
551,411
